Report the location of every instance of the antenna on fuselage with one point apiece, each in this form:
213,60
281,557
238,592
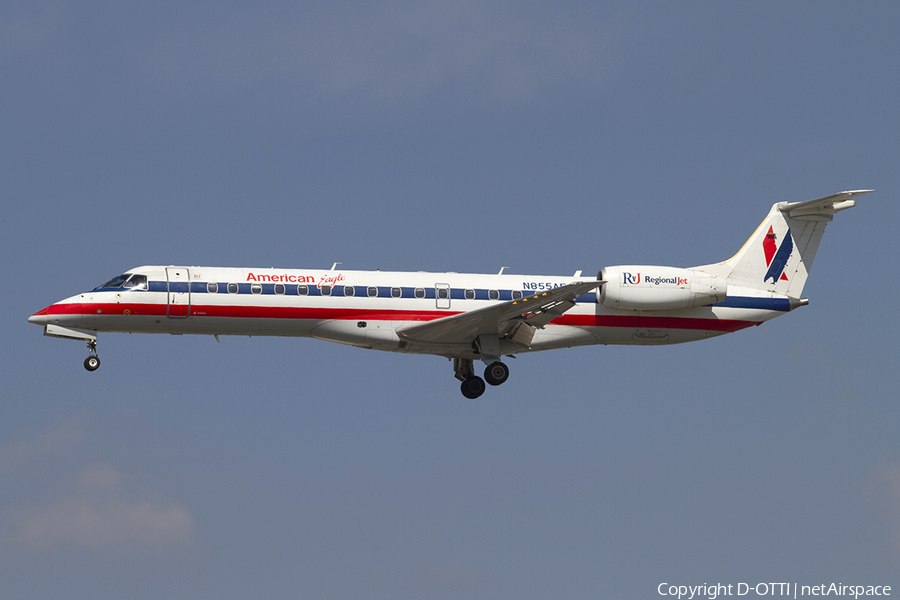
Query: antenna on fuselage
501,270
334,266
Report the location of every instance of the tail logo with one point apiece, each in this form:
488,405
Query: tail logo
777,257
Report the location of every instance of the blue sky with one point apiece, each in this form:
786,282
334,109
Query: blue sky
460,136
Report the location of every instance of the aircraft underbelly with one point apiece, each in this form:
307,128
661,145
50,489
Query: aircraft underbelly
203,325
380,335
618,327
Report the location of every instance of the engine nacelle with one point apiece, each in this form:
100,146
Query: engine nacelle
644,287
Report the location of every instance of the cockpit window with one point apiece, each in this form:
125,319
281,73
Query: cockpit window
137,282
114,282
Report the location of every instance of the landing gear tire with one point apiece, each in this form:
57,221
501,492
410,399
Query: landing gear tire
92,362
496,373
472,387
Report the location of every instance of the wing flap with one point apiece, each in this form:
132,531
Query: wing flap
500,319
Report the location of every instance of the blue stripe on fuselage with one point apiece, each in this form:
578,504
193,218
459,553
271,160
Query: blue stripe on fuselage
200,287
779,304
361,291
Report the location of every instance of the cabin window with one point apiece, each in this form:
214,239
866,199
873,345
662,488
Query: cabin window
493,294
212,287
302,290
326,290
470,294
396,292
372,291
517,295
443,293
232,288
348,290
279,289
255,288
420,292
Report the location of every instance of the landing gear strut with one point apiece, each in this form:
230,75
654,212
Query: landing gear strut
92,362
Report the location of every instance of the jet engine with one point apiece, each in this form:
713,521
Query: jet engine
643,287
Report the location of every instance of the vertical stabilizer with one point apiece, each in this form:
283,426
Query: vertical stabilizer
779,255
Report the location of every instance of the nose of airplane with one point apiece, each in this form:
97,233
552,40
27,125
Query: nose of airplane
65,313
41,317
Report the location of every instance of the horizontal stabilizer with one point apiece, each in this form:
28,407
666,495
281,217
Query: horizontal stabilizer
821,209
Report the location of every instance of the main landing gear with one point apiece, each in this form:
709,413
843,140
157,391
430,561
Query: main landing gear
92,362
472,385
496,373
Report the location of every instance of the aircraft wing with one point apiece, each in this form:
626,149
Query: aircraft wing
503,320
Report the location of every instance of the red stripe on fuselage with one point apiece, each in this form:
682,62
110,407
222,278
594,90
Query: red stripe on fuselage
94,309
641,322
319,314
251,312
313,313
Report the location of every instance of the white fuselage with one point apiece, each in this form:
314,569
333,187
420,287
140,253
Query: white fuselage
369,308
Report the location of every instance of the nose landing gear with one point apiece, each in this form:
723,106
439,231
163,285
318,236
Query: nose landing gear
92,362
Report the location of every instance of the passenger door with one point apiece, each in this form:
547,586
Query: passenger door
179,292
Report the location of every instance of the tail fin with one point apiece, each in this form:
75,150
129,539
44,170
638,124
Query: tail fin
779,255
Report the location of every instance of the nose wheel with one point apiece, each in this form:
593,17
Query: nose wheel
92,362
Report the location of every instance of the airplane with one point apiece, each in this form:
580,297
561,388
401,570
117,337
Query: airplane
461,316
